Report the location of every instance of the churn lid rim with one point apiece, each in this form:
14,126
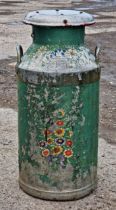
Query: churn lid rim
59,18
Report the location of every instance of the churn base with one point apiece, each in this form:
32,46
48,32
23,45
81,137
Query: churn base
57,196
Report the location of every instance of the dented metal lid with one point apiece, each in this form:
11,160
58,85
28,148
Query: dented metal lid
59,18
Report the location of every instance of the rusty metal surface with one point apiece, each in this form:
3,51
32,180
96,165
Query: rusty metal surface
61,196
56,79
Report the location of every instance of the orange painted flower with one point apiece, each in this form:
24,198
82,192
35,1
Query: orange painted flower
57,150
59,123
69,143
50,140
47,132
45,152
68,153
59,132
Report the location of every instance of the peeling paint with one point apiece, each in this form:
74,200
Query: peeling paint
58,97
64,60
54,154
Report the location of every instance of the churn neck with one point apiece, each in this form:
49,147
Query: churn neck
58,35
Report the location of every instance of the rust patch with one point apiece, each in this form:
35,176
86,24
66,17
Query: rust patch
65,22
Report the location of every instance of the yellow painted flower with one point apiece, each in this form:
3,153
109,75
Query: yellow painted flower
59,132
50,140
57,150
61,112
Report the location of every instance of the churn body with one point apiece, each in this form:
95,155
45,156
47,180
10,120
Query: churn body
58,102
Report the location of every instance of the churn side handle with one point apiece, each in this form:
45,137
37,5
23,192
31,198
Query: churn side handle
97,51
19,50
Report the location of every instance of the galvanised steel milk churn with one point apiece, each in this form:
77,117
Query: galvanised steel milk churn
58,102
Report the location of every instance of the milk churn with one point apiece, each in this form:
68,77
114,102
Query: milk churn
58,105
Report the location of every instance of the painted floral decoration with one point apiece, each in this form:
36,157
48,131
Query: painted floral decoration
55,128
70,133
45,153
59,132
69,143
68,153
42,144
57,150
59,113
59,123
47,132
59,141
50,140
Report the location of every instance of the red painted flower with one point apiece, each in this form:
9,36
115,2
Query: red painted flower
68,153
69,143
59,123
45,152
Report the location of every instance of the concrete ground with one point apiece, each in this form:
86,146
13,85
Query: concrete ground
13,198
12,31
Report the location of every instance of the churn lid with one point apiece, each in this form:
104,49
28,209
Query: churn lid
59,18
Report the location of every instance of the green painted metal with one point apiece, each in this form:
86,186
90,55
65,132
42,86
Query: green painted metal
58,116
58,35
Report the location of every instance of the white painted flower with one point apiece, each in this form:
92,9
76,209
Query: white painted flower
73,51
58,54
